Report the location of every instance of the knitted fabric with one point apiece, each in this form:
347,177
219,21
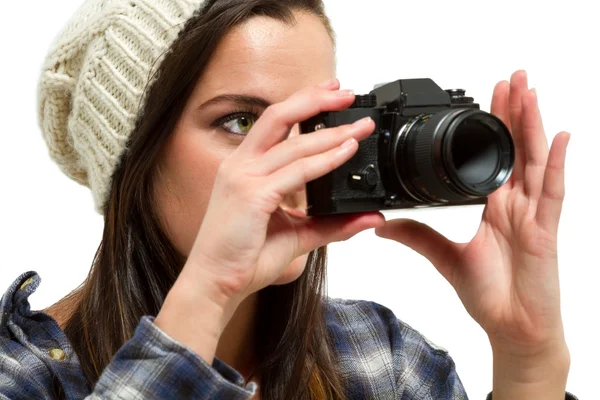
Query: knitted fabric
94,79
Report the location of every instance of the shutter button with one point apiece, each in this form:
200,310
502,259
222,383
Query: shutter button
57,354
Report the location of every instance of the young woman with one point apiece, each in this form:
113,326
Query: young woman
181,116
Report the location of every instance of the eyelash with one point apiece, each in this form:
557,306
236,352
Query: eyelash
242,111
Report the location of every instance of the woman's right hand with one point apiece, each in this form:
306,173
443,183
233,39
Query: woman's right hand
246,240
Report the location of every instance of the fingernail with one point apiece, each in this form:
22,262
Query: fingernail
328,82
362,122
344,93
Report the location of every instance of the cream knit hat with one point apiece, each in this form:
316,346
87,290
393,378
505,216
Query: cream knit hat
93,80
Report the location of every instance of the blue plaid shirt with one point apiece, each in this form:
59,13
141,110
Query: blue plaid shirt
379,357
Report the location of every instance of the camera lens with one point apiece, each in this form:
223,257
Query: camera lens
474,153
453,155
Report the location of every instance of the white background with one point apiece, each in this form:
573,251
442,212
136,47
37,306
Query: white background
48,223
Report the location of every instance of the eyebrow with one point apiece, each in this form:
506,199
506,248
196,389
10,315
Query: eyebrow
236,98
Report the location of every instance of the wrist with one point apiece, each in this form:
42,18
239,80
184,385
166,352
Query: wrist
195,313
225,286
199,283
532,374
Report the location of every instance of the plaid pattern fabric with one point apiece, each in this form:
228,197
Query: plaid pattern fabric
379,357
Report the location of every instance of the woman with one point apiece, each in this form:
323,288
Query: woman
208,281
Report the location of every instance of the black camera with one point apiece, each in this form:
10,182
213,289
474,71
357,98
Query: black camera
431,147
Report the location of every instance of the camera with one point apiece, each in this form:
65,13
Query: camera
431,147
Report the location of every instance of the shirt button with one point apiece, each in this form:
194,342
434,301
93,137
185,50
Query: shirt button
26,283
57,354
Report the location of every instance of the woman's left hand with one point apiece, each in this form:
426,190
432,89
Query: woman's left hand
507,276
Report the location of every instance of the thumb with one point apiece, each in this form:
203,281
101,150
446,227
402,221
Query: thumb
319,231
423,239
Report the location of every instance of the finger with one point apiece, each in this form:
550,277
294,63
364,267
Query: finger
319,231
518,85
440,251
277,120
302,146
500,102
332,84
295,175
534,143
553,191
500,109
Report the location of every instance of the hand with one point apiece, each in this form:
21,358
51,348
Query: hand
507,275
247,241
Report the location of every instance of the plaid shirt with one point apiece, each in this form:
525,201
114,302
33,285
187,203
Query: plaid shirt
379,357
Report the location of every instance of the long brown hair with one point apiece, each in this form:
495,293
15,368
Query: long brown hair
136,264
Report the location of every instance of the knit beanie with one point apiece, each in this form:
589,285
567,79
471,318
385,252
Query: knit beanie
93,82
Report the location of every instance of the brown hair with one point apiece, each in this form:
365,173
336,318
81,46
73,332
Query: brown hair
136,265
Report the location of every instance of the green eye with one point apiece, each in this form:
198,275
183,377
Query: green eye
240,125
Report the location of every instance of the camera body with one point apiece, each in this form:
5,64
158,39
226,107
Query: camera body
431,147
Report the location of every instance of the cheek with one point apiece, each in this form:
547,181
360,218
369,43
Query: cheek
184,189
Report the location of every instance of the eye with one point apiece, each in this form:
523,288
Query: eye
238,124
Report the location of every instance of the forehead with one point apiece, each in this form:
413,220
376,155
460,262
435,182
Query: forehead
269,58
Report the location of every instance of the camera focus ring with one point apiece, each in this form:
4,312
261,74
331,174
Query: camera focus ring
428,177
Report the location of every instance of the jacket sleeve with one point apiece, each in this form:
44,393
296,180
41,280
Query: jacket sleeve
380,356
153,365
441,380
423,369
150,365
37,361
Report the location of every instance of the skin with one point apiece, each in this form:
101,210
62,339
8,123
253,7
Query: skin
263,58
506,276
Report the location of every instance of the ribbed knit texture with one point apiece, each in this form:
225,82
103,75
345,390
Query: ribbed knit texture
94,78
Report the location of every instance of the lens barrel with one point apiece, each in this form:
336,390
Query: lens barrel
455,155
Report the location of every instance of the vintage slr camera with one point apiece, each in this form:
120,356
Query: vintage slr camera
431,147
